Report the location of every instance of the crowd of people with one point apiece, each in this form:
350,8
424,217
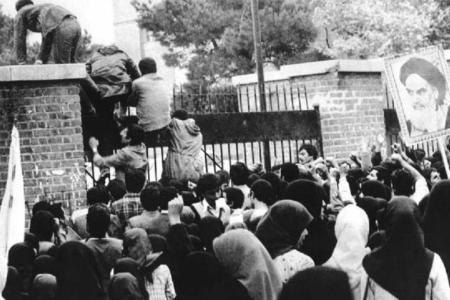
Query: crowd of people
368,227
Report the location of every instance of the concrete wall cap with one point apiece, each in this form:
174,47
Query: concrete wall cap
42,72
287,72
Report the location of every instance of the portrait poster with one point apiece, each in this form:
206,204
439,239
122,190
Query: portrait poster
419,85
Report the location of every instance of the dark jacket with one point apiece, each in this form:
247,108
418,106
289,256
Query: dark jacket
43,18
113,71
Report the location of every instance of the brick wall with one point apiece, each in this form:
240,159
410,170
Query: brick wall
351,105
46,111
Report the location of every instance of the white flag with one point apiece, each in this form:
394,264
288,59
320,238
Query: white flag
12,211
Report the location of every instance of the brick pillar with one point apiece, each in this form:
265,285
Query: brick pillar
43,103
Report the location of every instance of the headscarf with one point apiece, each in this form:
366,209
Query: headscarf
44,287
78,275
159,243
13,286
437,222
280,229
373,207
201,271
42,225
352,232
318,283
21,257
402,265
210,228
247,260
129,265
376,189
307,193
136,245
124,286
44,264
320,241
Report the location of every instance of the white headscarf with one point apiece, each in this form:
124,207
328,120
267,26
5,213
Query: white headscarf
352,232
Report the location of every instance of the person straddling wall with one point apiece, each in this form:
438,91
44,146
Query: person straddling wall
59,28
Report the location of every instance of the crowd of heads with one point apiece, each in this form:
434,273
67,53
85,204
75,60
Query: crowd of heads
306,230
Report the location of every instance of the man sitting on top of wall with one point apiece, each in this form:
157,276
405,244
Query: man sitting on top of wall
59,28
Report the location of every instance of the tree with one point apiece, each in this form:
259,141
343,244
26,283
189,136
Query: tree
218,34
373,28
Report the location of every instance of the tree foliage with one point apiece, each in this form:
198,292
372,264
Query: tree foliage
372,28
218,34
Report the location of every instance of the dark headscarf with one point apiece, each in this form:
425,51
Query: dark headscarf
280,229
201,271
373,208
124,286
44,287
437,222
21,257
13,288
373,188
402,265
247,260
159,243
318,283
320,241
42,225
78,275
44,264
210,228
136,245
129,265
307,193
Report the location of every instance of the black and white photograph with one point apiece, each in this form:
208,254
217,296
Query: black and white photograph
224,150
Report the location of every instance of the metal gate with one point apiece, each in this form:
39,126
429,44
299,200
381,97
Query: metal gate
235,129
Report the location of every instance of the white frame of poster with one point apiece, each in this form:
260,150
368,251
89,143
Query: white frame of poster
432,54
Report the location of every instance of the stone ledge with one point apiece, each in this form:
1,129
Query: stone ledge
287,72
42,72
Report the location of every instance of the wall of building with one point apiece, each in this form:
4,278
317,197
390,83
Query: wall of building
43,103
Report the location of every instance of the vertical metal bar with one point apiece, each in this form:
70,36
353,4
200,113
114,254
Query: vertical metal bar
290,151
154,160
284,96
245,153
306,97
229,155
214,157
253,152
260,153
255,95
292,97
296,150
148,160
278,97
282,151
237,150
221,156
299,98
206,157
270,99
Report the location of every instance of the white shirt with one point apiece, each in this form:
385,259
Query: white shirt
421,190
204,209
